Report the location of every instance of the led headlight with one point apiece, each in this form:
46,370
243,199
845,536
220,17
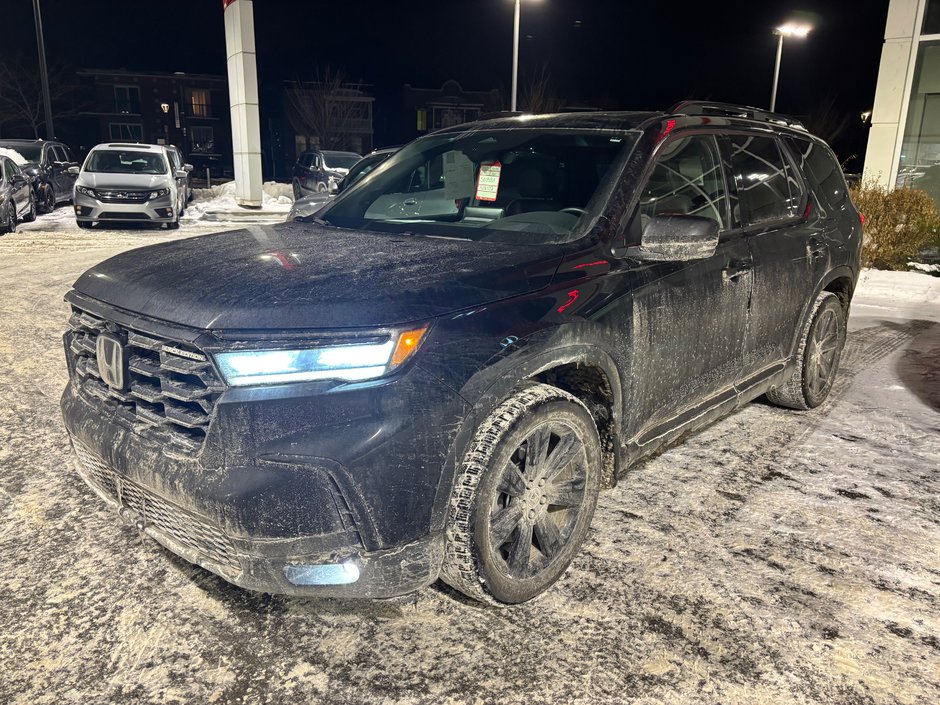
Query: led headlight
87,191
349,363
159,192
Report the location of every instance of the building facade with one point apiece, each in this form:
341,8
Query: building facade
904,142
190,111
427,109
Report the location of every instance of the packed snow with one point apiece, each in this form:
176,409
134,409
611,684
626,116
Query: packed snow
13,154
776,557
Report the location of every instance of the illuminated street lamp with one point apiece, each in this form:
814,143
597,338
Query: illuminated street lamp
794,31
515,55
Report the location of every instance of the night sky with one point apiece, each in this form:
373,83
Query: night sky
608,53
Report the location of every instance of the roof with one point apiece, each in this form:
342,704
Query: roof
131,145
570,121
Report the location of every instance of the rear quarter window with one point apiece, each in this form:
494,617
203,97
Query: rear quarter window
768,190
819,163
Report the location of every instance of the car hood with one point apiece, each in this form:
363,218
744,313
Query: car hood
304,276
123,181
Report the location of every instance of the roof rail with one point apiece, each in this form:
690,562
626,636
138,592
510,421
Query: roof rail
704,107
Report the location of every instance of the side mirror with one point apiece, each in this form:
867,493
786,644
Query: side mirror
74,170
187,168
181,173
677,238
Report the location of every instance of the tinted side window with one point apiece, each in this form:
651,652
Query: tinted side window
823,169
59,154
306,159
687,180
767,188
9,170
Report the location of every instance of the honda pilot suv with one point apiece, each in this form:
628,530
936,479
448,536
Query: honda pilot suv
436,375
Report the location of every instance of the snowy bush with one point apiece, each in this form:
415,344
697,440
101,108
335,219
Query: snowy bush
899,224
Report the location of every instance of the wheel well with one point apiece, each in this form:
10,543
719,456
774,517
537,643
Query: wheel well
591,385
841,287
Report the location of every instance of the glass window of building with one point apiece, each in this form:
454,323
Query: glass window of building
932,17
920,150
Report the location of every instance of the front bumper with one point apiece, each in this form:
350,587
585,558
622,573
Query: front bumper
157,210
286,479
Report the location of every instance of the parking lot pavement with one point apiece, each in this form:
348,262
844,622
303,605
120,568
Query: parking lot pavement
777,557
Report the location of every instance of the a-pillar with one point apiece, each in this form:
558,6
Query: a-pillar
243,99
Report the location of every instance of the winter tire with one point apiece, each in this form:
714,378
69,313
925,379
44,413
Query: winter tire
31,213
8,222
817,360
174,224
524,497
297,192
47,202
322,187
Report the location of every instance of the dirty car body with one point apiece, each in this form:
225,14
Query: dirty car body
185,417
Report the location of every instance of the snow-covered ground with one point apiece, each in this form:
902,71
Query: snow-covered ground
777,557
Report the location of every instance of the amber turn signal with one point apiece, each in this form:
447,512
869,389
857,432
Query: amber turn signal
408,342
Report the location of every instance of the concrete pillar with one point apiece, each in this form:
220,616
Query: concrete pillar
892,95
243,100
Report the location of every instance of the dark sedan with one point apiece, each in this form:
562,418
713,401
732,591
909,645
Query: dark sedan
47,164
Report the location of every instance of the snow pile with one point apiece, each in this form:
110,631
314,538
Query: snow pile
905,287
276,198
13,154
921,267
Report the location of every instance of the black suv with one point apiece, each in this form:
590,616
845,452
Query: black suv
47,164
436,375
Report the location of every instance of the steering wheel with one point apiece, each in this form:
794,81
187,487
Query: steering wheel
573,211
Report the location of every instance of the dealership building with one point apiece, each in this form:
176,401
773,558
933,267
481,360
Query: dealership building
904,143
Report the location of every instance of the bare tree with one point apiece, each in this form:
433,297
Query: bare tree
539,94
328,107
21,94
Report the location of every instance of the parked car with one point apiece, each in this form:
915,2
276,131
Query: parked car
17,200
129,183
362,403
307,206
47,163
179,164
320,171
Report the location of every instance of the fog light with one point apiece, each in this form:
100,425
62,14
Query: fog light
322,574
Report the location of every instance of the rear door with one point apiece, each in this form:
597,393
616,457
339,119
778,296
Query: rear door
59,161
788,259
689,318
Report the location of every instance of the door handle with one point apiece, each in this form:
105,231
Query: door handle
735,270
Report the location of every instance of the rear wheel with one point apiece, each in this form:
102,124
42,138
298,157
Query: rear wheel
298,194
524,498
817,360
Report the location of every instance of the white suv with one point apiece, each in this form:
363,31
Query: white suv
128,183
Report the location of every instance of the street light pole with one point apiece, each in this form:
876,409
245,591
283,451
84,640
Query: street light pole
773,91
43,74
788,30
515,54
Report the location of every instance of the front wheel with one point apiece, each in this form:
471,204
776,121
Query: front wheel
322,187
8,219
46,199
817,360
175,223
524,497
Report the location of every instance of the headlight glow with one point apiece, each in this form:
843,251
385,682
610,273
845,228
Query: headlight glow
349,363
159,192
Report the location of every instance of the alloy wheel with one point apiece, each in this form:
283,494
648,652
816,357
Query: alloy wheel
824,347
539,497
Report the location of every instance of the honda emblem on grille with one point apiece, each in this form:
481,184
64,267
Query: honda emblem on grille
112,364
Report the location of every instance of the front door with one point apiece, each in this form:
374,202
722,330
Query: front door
689,318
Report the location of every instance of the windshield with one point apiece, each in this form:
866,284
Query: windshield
22,154
518,185
339,160
120,161
365,166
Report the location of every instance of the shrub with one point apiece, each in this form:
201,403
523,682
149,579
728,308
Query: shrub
899,224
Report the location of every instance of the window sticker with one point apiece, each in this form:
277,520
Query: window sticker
458,175
488,185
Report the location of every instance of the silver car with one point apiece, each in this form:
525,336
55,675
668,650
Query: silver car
129,183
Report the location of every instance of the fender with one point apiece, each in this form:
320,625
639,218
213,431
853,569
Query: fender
839,272
491,385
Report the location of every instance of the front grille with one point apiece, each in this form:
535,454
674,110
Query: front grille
122,196
171,391
187,529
